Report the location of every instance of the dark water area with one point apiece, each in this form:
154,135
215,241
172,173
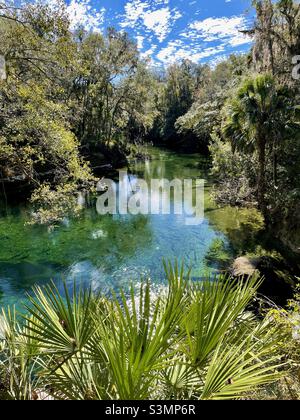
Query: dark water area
109,252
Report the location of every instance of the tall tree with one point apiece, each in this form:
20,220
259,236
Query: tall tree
259,110
37,145
179,86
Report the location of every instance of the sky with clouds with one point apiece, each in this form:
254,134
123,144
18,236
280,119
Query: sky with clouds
171,30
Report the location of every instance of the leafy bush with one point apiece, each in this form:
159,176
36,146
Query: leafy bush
194,341
234,173
288,320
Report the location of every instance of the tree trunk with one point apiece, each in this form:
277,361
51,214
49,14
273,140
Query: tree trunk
261,180
275,164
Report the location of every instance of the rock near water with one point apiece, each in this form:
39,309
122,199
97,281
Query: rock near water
279,281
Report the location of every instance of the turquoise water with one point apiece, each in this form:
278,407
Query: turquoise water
110,251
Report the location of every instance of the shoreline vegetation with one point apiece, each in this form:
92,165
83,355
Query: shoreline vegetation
191,341
76,106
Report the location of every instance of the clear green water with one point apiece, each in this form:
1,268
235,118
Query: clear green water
110,251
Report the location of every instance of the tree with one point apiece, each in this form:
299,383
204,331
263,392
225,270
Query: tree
112,97
176,96
260,111
37,145
214,86
276,37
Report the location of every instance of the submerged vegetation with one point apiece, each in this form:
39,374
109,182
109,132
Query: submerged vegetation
76,105
193,341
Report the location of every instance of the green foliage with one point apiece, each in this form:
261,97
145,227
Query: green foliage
175,95
261,122
214,85
246,109
233,171
288,320
218,253
65,90
276,34
113,94
259,118
201,120
259,111
37,146
195,340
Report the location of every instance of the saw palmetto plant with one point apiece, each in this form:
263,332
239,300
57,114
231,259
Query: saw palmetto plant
193,341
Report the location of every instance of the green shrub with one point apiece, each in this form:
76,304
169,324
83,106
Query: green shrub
194,341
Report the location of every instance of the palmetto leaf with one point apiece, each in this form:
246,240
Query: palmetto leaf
196,340
259,108
137,339
79,379
236,369
62,325
19,358
216,307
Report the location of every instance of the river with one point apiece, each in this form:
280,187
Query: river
108,252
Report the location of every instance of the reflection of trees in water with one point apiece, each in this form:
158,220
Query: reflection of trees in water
18,278
244,228
172,167
165,164
115,249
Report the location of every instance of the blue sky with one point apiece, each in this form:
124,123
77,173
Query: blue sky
170,30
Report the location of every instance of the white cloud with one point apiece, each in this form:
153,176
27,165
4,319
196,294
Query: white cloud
216,29
144,15
206,39
134,10
177,51
81,13
140,41
160,21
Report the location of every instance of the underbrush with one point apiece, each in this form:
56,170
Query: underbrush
193,341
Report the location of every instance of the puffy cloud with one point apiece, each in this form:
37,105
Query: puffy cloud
81,13
226,29
154,17
210,39
177,51
134,10
140,41
161,21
